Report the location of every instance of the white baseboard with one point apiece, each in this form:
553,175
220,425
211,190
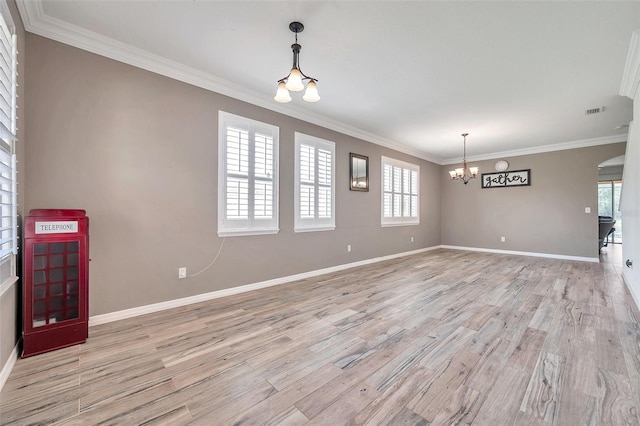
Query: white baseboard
8,366
156,307
636,297
525,253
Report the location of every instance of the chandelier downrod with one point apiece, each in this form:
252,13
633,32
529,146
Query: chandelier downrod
465,174
293,82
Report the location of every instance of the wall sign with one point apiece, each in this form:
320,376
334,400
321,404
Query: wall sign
504,179
62,227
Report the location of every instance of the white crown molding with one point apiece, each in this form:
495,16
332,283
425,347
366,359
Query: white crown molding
631,74
37,22
542,149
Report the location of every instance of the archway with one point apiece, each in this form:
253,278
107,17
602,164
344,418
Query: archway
610,224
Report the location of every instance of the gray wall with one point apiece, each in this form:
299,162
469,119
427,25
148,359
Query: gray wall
10,324
546,217
138,151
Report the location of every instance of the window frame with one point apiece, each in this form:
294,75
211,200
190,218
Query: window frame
316,223
402,219
8,139
252,225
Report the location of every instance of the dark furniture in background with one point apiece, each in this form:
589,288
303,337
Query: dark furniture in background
605,228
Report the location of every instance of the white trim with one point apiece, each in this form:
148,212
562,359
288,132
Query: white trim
525,253
403,165
8,366
249,225
7,284
585,143
257,231
389,225
316,223
631,76
35,21
311,229
176,303
156,307
636,298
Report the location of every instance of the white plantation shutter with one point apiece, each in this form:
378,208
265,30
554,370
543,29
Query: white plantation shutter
8,130
8,205
415,178
306,167
387,191
263,187
237,160
400,193
325,183
247,176
314,183
397,192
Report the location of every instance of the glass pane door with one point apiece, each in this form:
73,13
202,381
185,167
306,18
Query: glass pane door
55,282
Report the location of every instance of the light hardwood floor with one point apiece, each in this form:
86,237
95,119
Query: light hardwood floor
612,253
440,338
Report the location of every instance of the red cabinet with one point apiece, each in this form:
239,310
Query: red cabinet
55,280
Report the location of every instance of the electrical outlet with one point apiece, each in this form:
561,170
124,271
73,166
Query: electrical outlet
182,273
411,239
587,209
348,247
503,239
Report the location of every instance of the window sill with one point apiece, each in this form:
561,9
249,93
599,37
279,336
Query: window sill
241,233
387,225
7,285
314,229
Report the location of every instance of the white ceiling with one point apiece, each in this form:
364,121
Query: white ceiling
517,76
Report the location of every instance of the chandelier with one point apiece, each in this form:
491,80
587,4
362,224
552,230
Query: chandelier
294,81
465,174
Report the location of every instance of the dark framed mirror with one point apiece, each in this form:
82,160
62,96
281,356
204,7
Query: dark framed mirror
358,172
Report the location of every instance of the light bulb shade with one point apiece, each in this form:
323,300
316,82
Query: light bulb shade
311,94
459,172
452,173
474,171
282,95
294,81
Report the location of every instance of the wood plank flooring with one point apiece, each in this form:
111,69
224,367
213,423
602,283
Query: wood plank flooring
439,338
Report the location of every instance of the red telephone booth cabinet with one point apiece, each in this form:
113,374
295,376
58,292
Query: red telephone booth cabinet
55,280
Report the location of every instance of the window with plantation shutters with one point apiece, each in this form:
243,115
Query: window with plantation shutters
8,90
400,193
314,184
248,176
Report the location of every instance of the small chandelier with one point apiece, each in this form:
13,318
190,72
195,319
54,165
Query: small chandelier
465,174
293,82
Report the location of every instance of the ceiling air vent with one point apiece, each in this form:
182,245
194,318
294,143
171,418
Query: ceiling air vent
593,111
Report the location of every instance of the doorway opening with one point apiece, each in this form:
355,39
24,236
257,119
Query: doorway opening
609,206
